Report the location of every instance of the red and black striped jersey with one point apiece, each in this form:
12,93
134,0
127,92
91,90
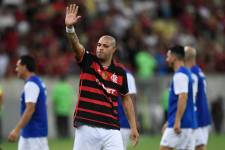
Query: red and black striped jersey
98,93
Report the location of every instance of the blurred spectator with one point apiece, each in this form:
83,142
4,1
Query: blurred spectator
33,27
218,113
62,97
7,18
145,64
4,61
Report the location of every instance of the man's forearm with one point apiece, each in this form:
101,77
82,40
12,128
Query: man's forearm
134,102
129,109
75,43
25,117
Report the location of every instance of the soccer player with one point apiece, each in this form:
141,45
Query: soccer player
203,114
101,82
124,124
33,122
177,132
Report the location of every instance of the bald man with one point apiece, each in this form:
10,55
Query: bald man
202,110
101,82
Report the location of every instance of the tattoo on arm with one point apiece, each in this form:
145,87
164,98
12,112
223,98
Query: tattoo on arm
78,49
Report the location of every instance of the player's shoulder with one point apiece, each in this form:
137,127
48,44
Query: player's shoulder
182,71
119,66
35,79
197,70
89,54
180,76
31,85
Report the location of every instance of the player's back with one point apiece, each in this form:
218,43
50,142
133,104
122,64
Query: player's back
203,114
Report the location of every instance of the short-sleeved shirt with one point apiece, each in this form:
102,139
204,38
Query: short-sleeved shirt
98,93
35,92
182,83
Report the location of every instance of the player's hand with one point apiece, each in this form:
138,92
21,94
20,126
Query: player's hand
134,135
13,135
71,15
176,127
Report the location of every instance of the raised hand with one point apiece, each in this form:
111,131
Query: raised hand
71,15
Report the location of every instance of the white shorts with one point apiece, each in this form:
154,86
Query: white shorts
184,140
39,143
95,138
125,132
202,135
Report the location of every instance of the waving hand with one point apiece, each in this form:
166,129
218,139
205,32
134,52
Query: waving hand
71,15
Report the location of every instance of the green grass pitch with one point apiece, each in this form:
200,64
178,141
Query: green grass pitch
216,142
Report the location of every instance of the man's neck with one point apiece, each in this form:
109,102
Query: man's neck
106,63
190,64
28,75
177,65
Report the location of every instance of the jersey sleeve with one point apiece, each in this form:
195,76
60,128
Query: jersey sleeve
180,81
131,84
124,88
86,59
31,91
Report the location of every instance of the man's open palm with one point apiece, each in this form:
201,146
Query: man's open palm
71,15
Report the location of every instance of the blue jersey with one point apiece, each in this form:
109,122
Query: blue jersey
189,117
203,114
37,125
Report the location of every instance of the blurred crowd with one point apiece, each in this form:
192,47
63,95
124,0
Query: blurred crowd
144,30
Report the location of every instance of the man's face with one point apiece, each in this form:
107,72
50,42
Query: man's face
20,69
105,48
170,58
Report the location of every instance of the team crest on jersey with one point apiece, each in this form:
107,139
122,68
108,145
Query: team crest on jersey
104,75
114,78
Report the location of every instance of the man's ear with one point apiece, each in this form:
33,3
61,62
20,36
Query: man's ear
114,50
24,67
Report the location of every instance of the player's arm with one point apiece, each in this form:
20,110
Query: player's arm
70,20
30,108
181,106
129,109
132,92
181,89
134,102
31,92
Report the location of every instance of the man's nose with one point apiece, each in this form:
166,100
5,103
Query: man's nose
101,48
